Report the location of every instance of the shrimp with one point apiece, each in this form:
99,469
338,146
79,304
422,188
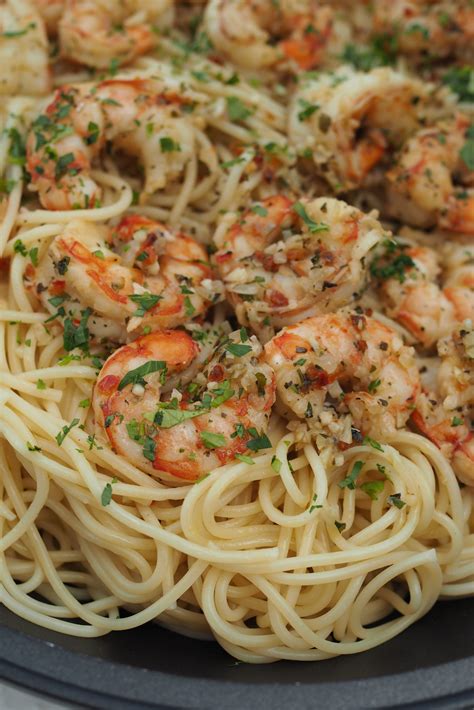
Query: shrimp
142,117
283,261
418,295
260,33
445,416
143,276
164,410
342,371
429,184
50,11
24,55
346,120
424,27
97,32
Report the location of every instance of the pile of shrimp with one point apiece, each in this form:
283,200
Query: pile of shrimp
296,239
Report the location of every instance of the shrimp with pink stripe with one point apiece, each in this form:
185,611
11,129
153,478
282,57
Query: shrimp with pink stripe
283,261
173,410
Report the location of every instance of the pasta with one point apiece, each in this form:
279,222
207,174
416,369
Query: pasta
266,437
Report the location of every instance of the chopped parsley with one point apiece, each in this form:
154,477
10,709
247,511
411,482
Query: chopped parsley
168,145
18,33
17,150
394,268
188,307
34,256
32,447
238,349
19,247
106,496
461,81
211,440
136,376
245,459
145,302
236,109
276,464
373,488
260,210
349,481
63,165
313,503
149,448
313,226
374,385
65,431
467,151
307,109
93,133
396,500
258,441
76,336
373,443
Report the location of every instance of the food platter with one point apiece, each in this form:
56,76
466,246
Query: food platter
430,665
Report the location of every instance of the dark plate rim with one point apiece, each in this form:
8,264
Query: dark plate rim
48,669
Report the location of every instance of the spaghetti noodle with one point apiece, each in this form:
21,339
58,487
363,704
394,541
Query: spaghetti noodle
305,547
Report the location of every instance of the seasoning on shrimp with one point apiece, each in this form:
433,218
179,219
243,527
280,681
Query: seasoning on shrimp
98,32
24,57
427,27
142,117
166,407
258,34
417,295
284,261
445,415
342,371
347,120
141,275
429,185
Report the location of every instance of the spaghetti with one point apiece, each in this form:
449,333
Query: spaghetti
305,547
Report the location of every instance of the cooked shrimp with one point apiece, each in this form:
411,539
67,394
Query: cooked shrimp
262,33
429,184
346,120
24,55
50,11
163,410
97,32
143,117
339,371
445,416
427,27
163,280
416,293
283,261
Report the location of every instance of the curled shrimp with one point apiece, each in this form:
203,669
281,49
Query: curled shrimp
427,27
261,33
445,415
144,276
417,293
164,410
340,371
283,261
50,11
24,53
142,117
346,120
97,32
430,183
